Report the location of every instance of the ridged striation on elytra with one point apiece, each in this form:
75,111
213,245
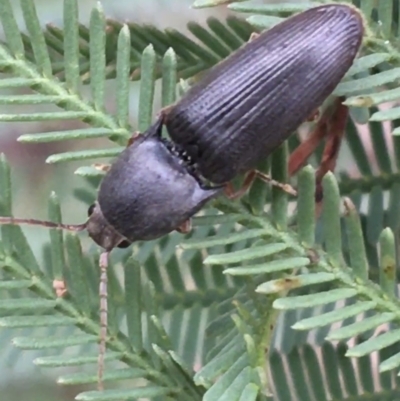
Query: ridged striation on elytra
251,102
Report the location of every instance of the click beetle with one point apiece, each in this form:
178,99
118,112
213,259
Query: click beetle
243,109
225,124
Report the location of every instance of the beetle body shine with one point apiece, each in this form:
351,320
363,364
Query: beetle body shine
254,100
243,109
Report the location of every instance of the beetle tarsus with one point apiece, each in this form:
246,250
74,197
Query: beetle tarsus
185,227
230,192
102,167
248,181
163,114
253,36
133,138
313,116
59,288
283,186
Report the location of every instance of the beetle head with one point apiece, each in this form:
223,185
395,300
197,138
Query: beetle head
102,232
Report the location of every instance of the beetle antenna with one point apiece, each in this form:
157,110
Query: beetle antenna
43,223
103,262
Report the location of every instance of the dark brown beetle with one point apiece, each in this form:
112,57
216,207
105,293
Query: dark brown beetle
242,110
237,115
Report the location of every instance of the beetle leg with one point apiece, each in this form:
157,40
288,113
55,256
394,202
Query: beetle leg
299,156
249,179
332,126
156,128
133,138
253,36
185,227
59,288
284,187
336,132
313,116
163,115
102,167
153,130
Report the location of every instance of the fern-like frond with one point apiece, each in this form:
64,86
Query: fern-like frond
254,260
325,373
277,252
211,44
22,73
